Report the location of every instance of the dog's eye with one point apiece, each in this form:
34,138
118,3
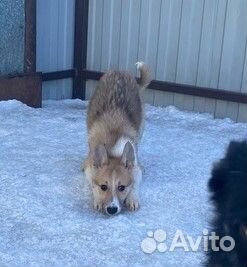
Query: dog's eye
121,188
103,187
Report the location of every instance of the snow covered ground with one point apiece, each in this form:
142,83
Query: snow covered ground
46,215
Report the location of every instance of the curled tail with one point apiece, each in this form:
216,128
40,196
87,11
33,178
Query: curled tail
145,76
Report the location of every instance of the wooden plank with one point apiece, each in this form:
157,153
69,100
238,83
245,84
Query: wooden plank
129,36
205,55
208,36
53,48
152,45
168,40
242,114
221,109
234,46
189,45
233,52
91,35
148,96
226,109
106,33
62,89
179,101
143,32
115,28
25,88
188,102
168,48
95,32
199,104
149,33
49,90
55,51
189,42
232,110
110,34
210,106
163,99
218,36
125,33
217,53
217,42
90,88
244,78
65,32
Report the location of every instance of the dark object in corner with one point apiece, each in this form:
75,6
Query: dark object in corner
228,187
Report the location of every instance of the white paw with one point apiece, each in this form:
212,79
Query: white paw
132,203
98,206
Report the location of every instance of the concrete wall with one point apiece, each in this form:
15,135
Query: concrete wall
12,28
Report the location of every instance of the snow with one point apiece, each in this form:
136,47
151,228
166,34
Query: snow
46,214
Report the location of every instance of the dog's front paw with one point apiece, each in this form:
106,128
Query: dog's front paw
98,206
132,203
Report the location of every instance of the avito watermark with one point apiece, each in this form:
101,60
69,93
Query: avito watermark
157,241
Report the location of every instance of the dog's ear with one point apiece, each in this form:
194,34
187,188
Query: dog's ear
100,157
128,156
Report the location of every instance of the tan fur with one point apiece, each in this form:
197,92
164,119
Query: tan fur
115,114
144,73
110,175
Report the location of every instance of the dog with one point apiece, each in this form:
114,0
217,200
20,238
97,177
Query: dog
115,121
228,187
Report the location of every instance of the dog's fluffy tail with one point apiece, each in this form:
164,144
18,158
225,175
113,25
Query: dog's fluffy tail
145,76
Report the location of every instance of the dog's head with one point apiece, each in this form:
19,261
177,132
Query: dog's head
112,178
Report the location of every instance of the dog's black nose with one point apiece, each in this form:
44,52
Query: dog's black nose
111,210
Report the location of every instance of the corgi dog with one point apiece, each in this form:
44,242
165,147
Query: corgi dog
115,121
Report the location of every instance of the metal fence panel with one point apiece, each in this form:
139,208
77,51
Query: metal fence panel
196,42
55,43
